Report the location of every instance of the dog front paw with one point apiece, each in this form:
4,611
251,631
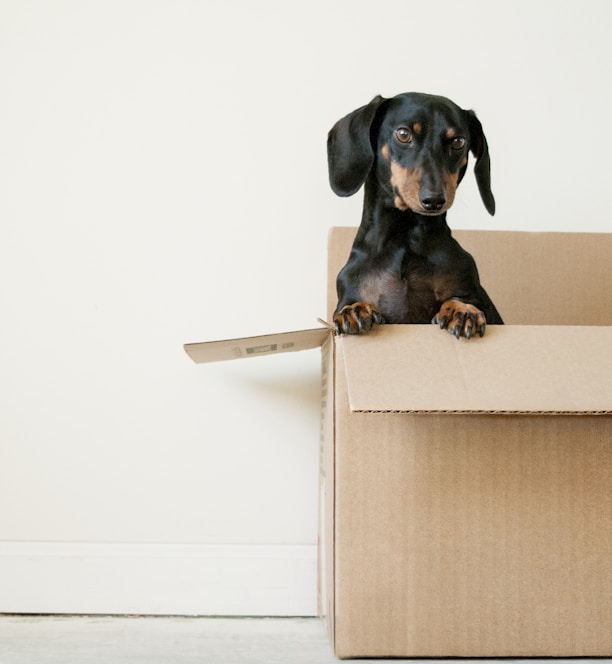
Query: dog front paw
460,319
357,318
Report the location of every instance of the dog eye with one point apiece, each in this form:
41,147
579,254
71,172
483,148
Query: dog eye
458,143
404,135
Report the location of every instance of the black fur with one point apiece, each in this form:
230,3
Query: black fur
410,152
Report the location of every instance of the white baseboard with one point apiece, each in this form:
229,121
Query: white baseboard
158,579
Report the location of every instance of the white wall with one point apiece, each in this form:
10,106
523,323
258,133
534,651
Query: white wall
163,180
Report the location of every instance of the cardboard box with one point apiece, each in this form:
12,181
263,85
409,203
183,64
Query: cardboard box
466,485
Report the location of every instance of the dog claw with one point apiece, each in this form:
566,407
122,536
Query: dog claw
363,325
460,318
357,318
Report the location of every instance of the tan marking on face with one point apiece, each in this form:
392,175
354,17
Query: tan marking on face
451,182
406,183
451,133
385,151
464,162
417,128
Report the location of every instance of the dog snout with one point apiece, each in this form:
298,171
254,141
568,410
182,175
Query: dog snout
432,201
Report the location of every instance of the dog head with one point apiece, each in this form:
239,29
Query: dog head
417,147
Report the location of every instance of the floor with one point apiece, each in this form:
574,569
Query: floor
126,640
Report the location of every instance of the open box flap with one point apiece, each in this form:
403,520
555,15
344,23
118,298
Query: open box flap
233,349
513,369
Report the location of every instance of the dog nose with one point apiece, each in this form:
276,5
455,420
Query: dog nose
432,201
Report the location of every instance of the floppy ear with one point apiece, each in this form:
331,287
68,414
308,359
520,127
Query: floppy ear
482,167
350,154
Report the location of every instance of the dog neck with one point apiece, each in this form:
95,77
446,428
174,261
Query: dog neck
382,219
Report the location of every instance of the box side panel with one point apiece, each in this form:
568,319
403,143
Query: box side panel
533,278
326,489
545,278
340,241
472,536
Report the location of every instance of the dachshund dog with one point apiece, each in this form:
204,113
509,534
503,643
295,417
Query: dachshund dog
411,152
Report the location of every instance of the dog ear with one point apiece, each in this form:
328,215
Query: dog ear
350,154
482,167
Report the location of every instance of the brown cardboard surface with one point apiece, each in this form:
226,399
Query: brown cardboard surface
466,502
478,534
471,535
233,349
533,278
327,488
513,369
544,278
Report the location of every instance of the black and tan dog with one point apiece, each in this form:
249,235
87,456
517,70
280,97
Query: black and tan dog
411,151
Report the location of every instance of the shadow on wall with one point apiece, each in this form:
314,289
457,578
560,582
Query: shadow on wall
291,381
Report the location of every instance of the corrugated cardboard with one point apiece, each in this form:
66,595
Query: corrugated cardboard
466,486
234,349
533,278
481,377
